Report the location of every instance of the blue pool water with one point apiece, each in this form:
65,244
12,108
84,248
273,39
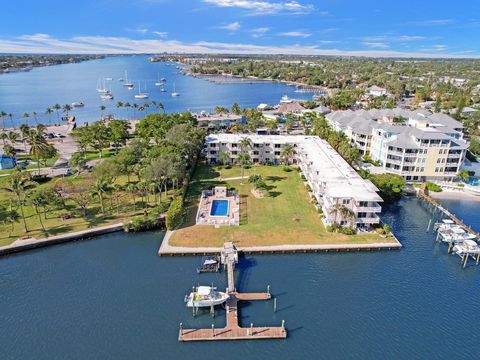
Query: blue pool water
219,208
473,181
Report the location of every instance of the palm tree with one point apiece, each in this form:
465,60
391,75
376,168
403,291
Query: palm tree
19,184
26,115
25,130
37,200
49,112
287,153
12,137
67,108
343,211
4,137
2,116
119,104
132,189
236,109
243,159
57,108
127,105
224,157
245,143
135,107
100,189
9,216
38,146
10,115
34,114
160,106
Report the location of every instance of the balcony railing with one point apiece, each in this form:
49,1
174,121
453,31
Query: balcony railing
369,220
374,209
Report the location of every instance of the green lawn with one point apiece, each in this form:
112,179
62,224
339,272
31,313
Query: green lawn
117,211
284,216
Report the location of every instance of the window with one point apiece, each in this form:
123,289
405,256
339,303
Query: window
234,152
278,146
277,153
255,153
345,201
234,145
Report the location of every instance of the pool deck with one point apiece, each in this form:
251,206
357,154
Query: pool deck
204,213
167,250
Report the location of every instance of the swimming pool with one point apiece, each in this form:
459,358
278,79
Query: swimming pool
219,208
473,181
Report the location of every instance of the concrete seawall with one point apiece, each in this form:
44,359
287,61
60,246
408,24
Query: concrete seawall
167,250
28,244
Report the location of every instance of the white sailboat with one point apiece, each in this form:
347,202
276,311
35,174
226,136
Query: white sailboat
159,82
127,83
174,93
205,296
141,95
100,88
107,96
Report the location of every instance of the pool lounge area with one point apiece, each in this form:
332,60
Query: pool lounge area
219,207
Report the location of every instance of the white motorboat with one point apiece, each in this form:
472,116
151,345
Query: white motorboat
162,89
285,100
108,79
78,104
205,296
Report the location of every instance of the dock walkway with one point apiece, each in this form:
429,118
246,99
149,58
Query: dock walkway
233,330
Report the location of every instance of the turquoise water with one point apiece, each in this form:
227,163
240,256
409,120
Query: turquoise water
473,181
219,208
113,297
43,87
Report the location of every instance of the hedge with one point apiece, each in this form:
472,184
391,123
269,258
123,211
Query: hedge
175,213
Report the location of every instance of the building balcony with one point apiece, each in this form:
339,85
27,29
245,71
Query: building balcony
374,209
368,220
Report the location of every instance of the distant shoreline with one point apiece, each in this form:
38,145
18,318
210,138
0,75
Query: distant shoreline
454,195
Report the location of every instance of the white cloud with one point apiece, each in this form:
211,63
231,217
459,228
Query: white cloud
259,32
141,30
295,34
162,34
43,43
434,22
261,7
400,38
235,26
376,45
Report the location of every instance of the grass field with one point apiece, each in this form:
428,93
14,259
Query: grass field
117,211
284,216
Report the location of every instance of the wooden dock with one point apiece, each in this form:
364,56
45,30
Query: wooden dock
423,193
232,330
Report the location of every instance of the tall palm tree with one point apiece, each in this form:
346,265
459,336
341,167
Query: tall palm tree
101,188
135,107
26,115
12,137
38,146
49,112
67,108
19,184
57,108
4,137
287,153
245,143
344,212
132,189
38,201
10,115
243,159
2,116
34,114
25,130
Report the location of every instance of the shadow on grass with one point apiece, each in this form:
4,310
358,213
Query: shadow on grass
243,209
205,172
274,178
61,229
274,194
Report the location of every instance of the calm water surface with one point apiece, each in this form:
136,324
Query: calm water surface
113,297
43,87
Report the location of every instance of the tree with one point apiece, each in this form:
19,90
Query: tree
77,162
100,189
99,137
157,171
102,109
132,189
257,181
78,192
39,147
12,137
245,143
36,199
26,116
118,133
236,109
19,184
224,157
390,186
84,137
9,216
67,108
464,175
49,112
344,212
57,108
287,153
9,150
243,159
4,137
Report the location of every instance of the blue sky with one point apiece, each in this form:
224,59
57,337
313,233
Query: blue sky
427,28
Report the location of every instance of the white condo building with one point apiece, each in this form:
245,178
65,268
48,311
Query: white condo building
416,145
333,181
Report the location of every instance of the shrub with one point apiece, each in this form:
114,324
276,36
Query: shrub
347,230
433,187
330,228
309,189
287,168
387,229
303,177
320,211
175,213
380,231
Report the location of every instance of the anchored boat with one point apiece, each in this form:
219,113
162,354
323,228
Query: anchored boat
205,296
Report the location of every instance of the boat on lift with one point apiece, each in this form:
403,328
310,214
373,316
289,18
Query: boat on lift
205,296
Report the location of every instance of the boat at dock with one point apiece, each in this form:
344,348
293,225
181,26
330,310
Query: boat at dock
205,296
209,264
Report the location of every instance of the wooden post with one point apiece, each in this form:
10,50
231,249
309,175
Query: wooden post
181,329
466,259
274,305
283,325
429,223
268,289
213,330
251,329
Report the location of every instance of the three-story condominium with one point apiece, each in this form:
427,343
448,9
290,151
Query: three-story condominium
335,185
417,145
